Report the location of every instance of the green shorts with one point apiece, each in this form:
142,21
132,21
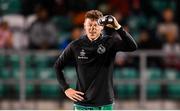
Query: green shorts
104,107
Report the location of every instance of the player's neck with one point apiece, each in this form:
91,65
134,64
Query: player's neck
93,39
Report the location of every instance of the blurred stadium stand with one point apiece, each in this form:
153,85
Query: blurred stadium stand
37,82
146,79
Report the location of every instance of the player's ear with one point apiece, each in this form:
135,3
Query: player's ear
84,25
102,27
84,22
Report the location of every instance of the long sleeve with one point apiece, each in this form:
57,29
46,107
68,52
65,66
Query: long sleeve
124,42
61,62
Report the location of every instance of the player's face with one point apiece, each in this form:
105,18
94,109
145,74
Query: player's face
92,29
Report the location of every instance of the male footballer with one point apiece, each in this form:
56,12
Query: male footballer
93,55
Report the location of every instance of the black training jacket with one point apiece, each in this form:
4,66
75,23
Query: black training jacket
94,62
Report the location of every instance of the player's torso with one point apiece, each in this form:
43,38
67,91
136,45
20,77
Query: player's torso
87,52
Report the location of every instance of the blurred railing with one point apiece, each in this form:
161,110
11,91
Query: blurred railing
142,81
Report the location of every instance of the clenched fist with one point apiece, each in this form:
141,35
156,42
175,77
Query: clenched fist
114,24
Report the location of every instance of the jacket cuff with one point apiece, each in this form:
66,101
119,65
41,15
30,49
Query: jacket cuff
118,27
65,87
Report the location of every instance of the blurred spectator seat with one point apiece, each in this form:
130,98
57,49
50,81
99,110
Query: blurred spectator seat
121,91
50,91
127,91
173,91
129,73
126,73
29,61
46,73
136,19
171,74
63,23
11,92
2,61
8,73
10,6
14,61
30,91
15,74
152,22
31,74
172,88
153,91
131,90
70,74
5,73
76,32
136,23
158,6
41,61
117,73
1,90
154,73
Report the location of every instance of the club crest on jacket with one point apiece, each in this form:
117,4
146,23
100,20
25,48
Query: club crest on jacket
101,49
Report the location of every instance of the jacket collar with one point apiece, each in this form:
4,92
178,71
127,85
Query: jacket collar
94,41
